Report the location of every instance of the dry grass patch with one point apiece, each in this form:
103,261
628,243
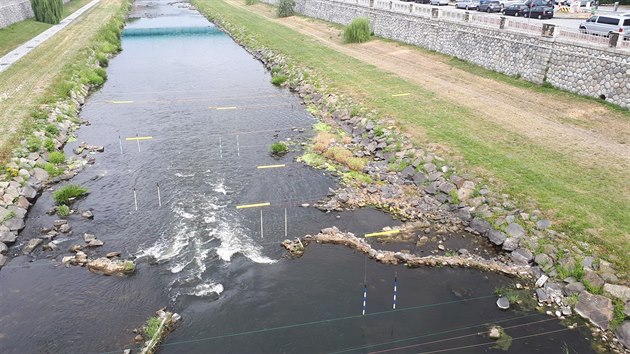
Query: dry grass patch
339,154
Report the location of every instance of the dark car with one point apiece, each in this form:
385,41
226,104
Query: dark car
489,6
515,10
534,8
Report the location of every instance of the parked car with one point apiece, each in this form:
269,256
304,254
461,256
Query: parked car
518,9
467,4
422,1
603,25
505,3
489,6
532,8
438,2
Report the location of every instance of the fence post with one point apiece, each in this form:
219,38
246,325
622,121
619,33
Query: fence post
435,12
613,39
371,3
391,4
502,23
467,16
548,30
616,6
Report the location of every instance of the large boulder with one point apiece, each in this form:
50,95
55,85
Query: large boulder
108,266
598,309
623,332
618,291
31,245
515,230
7,236
496,237
521,256
480,226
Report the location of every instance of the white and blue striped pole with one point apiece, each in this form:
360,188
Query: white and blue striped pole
364,297
395,286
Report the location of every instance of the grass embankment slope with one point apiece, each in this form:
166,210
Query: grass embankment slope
39,75
18,33
559,152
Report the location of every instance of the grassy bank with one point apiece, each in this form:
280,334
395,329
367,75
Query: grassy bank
54,69
18,33
589,204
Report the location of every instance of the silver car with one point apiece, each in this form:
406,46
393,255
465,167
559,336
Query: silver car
439,2
604,25
467,4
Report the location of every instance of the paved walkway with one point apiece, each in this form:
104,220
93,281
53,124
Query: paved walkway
16,54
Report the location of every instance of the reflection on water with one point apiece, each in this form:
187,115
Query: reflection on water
212,114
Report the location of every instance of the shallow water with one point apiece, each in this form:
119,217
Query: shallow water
212,114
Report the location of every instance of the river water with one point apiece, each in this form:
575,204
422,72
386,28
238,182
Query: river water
211,113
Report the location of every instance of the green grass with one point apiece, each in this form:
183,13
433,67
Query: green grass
63,211
278,79
587,202
279,148
358,31
66,194
18,33
57,157
153,324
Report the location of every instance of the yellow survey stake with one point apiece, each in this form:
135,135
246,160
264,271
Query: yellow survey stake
140,138
120,102
252,205
271,166
383,233
401,94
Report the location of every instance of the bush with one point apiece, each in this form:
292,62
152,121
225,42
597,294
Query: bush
278,79
63,210
66,194
285,8
49,145
48,11
33,144
52,170
338,154
57,157
356,163
153,324
279,149
358,31
250,2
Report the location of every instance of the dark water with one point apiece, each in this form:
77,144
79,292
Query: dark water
212,114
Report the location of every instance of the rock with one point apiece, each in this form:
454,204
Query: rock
28,192
496,237
3,260
127,351
480,226
626,309
23,203
544,261
408,173
541,294
15,224
429,167
31,245
597,309
587,262
515,230
441,247
88,214
88,238
305,205
343,197
112,254
619,291
543,224
50,246
446,187
541,280
95,243
65,228
593,278
521,256
494,333
40,174
138,339
75,248
510,244
419,178
108,266
623,333
574,288
3,248
8,237
566,311
503,303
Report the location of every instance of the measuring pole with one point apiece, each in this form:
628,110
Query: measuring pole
120,144
220,148
238,147
135,199
364,285
159,196
286,225
138,141
395,286
261,225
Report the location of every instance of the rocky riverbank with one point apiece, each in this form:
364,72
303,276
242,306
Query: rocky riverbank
416,184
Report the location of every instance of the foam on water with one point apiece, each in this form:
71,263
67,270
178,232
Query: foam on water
206,289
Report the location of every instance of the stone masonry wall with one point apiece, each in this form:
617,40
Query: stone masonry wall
577,67
12,11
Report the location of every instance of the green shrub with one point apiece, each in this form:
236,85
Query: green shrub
63,210
57,157
66,194
358,31
48,11
153,324
356,163
49,145
250,2
51,130
278,79
279,148
33,144
52,170
285,8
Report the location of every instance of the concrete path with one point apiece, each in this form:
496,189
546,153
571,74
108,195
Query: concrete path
16,54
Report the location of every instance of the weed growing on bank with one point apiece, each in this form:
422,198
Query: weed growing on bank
285,8
68,193
358,31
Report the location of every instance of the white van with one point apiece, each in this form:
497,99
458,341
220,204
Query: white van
603,25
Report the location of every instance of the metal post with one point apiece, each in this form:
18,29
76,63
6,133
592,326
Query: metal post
159,196
220,148
261,225
138,141
502,23
395,287
238,147
120,144
135,199
286,229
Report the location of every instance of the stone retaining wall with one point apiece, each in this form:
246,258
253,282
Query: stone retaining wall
12,11
577,67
